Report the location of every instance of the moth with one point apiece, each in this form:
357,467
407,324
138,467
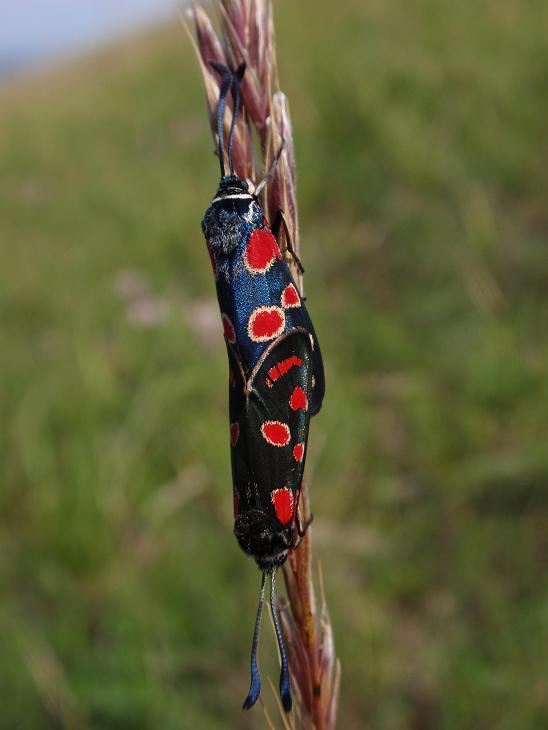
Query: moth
276,376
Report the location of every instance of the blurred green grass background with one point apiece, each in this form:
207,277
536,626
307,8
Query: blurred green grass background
125,602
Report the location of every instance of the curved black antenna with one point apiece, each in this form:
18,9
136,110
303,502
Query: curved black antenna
226,83
236,79
229,82
255,686
285,686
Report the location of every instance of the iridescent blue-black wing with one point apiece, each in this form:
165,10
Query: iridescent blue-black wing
318,378
239,452
269,428
295,308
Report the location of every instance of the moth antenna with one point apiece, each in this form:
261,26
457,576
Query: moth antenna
236,79
285,686
226,83
255,686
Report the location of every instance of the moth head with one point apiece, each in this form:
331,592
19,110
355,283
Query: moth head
262,539
231,185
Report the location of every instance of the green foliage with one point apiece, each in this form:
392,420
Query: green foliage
126,604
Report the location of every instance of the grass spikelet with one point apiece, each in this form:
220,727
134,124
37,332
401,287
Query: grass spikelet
247,35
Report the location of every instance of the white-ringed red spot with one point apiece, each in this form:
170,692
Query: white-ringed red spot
228,329
234,433
290,297
298,452
282,499
276,433
261,251
298,399
265,323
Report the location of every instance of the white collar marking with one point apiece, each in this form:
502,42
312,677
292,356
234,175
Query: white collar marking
236,196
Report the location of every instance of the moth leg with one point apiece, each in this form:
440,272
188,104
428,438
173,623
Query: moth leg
271,171
278,223
300,530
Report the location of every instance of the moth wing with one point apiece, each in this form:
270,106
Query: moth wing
241,473
276,424
302,319
318,382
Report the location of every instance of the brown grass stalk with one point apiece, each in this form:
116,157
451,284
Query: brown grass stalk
247,34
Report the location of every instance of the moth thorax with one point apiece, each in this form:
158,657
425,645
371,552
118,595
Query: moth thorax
226,221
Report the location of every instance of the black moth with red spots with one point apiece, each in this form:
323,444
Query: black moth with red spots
269,429
276,379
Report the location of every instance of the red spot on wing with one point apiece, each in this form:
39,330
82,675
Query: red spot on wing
282,500
276,433
290,297
228,329
231,376
298,399
261,251
298,452
283,367
234,433
265,323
